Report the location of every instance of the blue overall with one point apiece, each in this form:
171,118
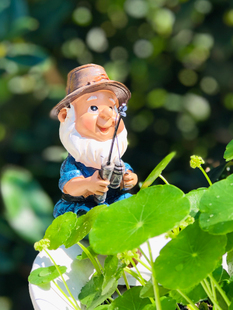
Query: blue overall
71,169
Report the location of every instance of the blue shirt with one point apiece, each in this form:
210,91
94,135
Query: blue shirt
71,169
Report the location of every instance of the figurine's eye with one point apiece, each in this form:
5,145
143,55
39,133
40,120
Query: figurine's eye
93,109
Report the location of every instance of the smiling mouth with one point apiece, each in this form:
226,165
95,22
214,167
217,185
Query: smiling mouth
103,130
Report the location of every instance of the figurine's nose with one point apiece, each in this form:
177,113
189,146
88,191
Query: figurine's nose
106,113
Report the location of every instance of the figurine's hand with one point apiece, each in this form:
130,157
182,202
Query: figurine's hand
96,185
130,179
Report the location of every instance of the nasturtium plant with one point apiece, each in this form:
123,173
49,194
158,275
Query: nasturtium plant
216,207
188,268
130,222
193,249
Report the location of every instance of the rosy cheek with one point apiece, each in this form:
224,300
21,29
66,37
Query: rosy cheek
86,124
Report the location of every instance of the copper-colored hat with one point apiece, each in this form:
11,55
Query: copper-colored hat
86,79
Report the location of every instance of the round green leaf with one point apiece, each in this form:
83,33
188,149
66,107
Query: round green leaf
228,154
60,229
45,274
157,170
127,224
195,197
130,300
216,207
189,258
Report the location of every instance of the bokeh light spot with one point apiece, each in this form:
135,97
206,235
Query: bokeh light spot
117,70
118,18
174,102
96,40
203,6
2,132
73,48
188,77
197,106
228,101
136,8
156,98
82,16
228,18
143,48
163,21
209,85
203,40
22,84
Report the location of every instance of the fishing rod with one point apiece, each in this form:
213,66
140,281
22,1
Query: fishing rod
112,171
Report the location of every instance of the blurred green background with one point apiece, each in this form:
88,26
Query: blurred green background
176,58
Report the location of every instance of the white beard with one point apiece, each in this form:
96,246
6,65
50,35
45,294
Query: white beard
90,152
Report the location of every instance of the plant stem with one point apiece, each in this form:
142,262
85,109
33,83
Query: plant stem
90,256
164,180
143,264
206,175
133,274
221,291
188,299
138,272
154,281
118,292
126,281
63,280
208,291
64,294
143,253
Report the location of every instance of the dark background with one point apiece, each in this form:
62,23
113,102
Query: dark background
175,57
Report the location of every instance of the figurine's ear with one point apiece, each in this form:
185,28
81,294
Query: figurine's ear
62,115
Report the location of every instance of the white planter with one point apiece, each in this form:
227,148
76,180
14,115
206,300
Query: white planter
48,297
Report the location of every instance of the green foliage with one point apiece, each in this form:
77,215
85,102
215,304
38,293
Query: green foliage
33,208
180,76
188,269
44,275
228,155
184,255
132,221
158,170
216,207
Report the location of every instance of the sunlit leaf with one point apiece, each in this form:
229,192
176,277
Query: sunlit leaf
45,274
131,300
229,246
60,229
113,269
28,209
158,170
216,207
193,249
195,294
127,224
92,294
84,225
148,290
194,197
228,154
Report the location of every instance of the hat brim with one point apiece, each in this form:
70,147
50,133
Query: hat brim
120,90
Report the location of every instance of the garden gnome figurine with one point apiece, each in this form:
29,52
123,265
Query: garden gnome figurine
88,116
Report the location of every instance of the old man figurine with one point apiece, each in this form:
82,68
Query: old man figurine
88,116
